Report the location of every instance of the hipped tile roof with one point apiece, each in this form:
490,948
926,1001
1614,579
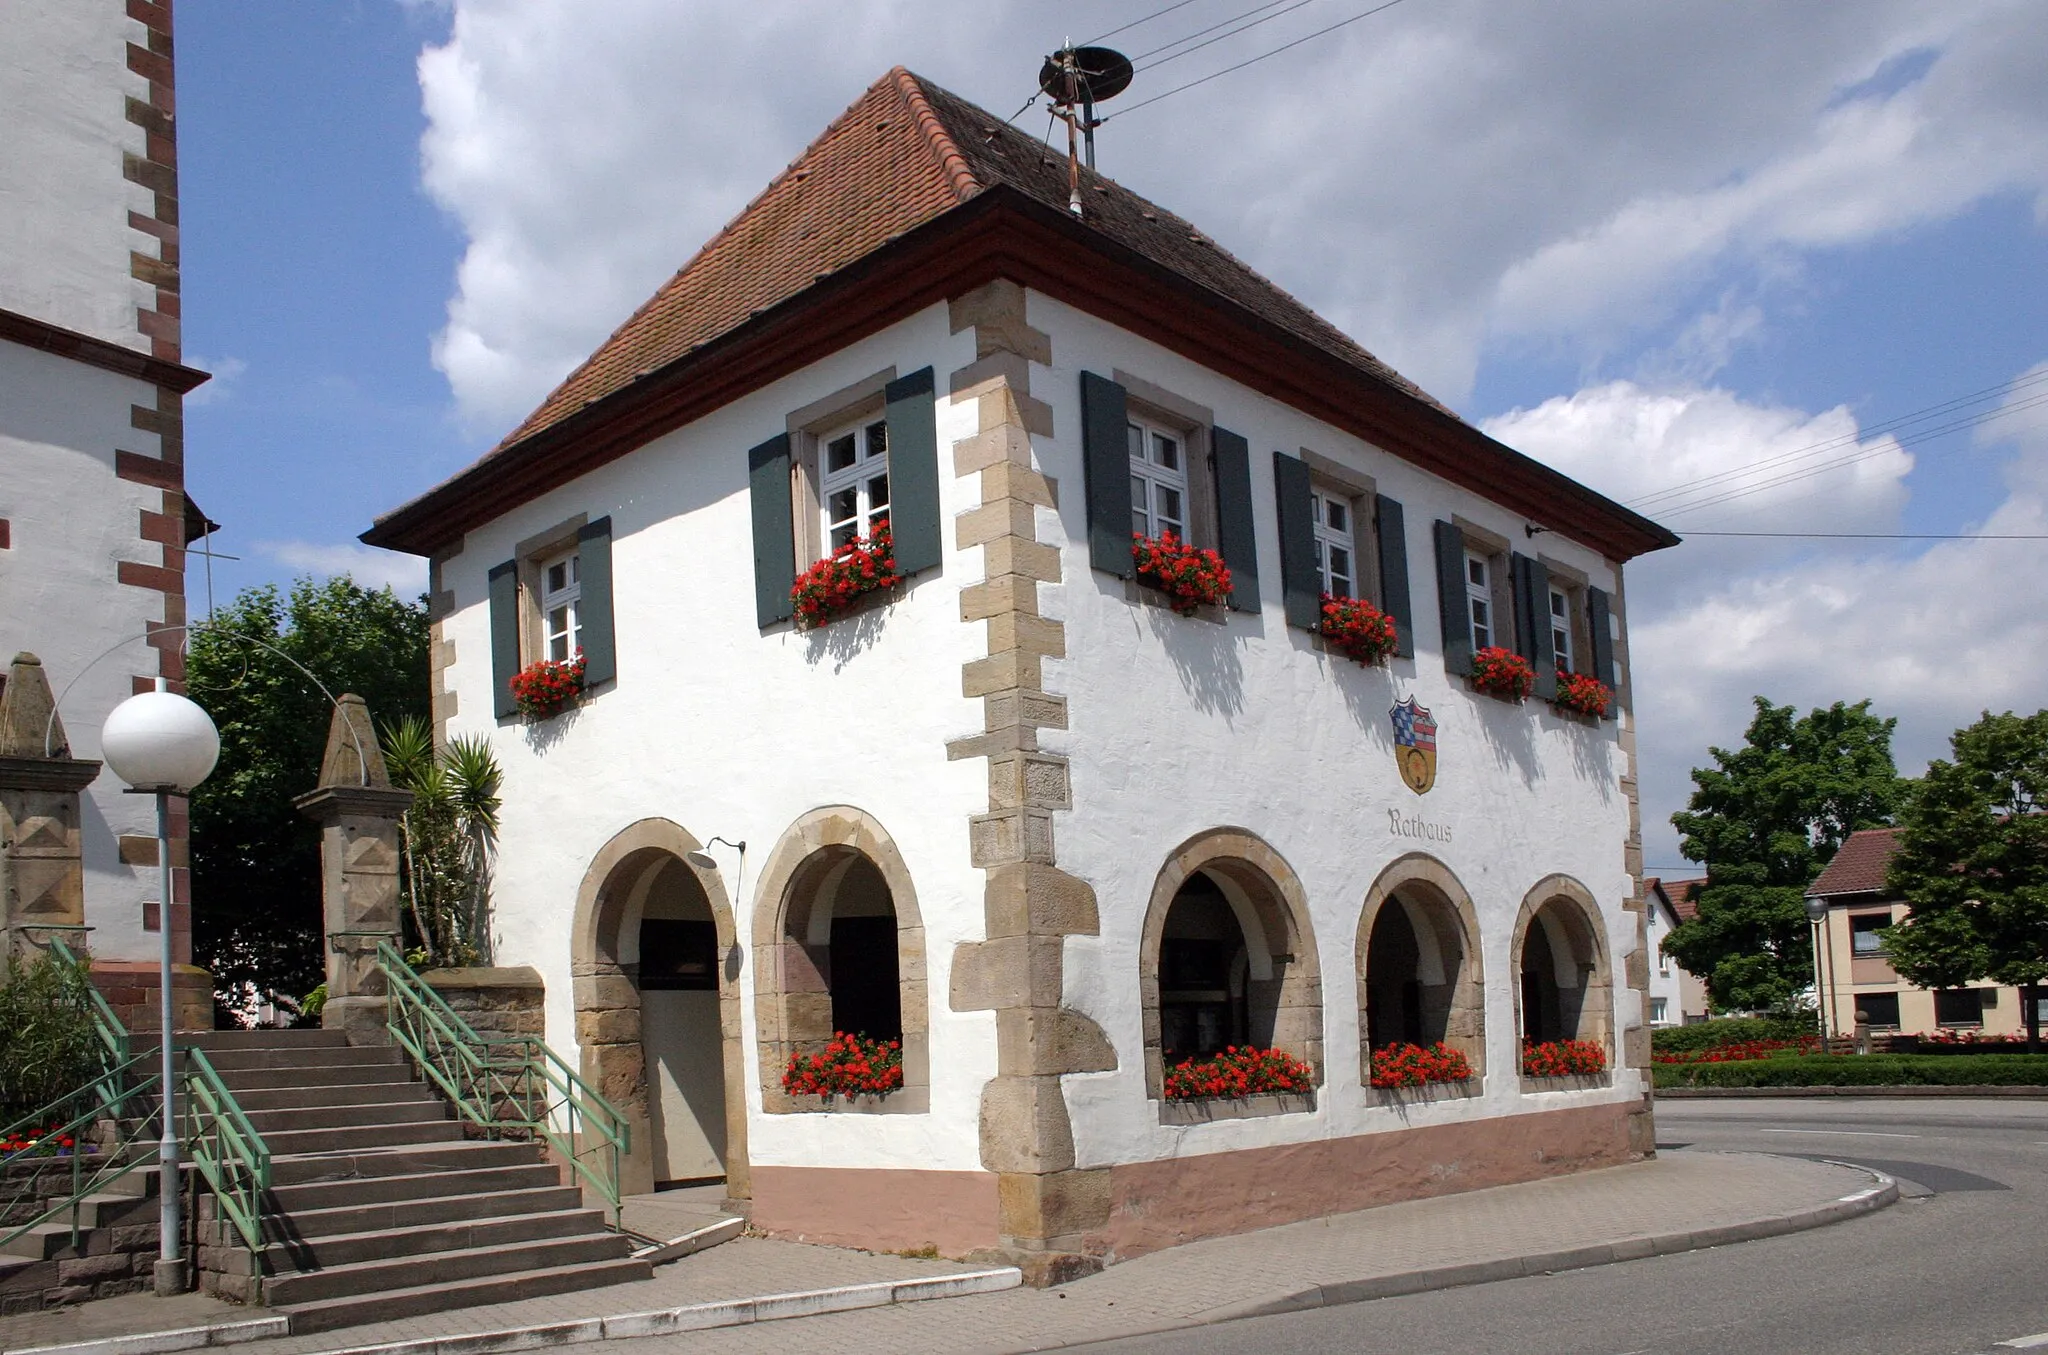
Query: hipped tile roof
1859,867
905,153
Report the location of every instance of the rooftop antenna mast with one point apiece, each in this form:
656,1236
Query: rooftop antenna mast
1076,79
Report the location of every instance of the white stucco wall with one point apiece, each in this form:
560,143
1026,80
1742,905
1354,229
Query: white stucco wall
1666,979
71,522
64,203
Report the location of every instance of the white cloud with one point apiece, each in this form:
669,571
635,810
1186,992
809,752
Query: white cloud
405,575
227,374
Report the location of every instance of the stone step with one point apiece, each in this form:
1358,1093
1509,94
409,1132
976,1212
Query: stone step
212,1040
392,1304
440,1268
253,1099
240,1080
271,1057
374,1216
105,1210
293,1142
334,1251
293,1119
528,1173
411,1160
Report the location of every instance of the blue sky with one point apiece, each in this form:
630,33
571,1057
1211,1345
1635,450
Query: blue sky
1645,243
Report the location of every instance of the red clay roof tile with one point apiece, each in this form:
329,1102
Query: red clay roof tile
1859,867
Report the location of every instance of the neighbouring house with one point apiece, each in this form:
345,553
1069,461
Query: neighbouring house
1856,976
1019,811
94,520
1677,997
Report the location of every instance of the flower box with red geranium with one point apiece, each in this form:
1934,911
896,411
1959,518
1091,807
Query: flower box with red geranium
835,585
1239,1071
1414,1065
1502,673
1583,694
1191,578
1564,1058
1357,629
850,1066
545,689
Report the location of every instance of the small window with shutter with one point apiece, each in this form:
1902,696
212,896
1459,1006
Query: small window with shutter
553,600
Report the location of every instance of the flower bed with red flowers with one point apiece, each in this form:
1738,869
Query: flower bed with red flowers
1564,1058
830,587
852,1065
1357,629
46,1142
1414,1065
1743,1050
1584,694
1237,1072
1503,673
545,689
1189,576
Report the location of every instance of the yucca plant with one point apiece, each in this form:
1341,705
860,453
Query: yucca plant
450,833
48,1047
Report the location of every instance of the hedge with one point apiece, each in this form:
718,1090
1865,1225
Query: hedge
1865,1070
1730,1030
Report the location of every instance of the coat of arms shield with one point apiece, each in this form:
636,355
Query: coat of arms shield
1415,745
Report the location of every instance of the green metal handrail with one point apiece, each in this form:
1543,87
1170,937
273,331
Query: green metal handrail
509,1086
113,1036
101,1134
225,1147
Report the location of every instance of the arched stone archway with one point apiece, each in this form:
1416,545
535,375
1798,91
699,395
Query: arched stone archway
835,866
1418,954
647,864
1228,887
1564,987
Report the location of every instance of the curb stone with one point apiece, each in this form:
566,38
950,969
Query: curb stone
689,1317
1884,1191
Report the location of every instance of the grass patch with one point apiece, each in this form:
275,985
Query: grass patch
1866,1070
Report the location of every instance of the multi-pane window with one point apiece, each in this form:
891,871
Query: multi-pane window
1159,481
1336,551
1864,936
1479,598
1958,1007
1882,1009
1561,630
854,481
561,604
1659,1007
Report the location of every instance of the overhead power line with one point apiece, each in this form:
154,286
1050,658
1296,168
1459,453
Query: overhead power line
1889,536
1203,32
1146,19
1177,89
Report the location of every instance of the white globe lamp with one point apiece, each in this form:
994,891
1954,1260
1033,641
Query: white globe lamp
163,745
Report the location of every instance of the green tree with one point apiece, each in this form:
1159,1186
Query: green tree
449,833
256,859
1972,860
1765,820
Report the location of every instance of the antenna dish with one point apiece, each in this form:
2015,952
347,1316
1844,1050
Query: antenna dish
1104,73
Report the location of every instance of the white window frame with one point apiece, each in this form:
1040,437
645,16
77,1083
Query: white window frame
1481,610
560,638
870,462
1562,616
1660,1011
1152,480
1330,539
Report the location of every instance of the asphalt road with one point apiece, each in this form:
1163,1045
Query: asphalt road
1958,1265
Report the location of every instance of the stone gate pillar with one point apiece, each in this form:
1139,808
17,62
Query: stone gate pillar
42,868
358,813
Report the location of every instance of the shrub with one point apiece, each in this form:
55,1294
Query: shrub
1732,1030
1189,576
852,1065
1503,673
48,1047
1563,1058
1413,1065
1356,629
1245,1071
1868,1070
831,586
1742,1051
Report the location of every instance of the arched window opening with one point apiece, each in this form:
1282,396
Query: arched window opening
861,963
1563,991
1204,975
1396,1009
1419,977
677,972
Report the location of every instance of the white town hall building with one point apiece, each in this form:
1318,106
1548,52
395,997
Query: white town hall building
1015,811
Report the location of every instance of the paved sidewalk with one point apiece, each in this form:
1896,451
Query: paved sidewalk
1677,1202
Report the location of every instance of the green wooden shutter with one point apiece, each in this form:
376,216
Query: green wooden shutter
1533,640
1301,583
1391,532
1600,631
774,540
504,594
1450,597
914,473
1106,474
594,608
1236,532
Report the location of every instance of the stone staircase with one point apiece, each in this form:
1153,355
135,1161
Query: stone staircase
380,1205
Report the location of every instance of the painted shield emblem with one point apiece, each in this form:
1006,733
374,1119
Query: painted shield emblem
1415,745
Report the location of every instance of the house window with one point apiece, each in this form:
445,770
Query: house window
853,481
1659,1008
1959,1007
1336,546
1479,598
1159,481
1880,1009
1864,938
561,605
1561,630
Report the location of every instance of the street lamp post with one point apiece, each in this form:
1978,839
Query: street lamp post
163,745
1817,914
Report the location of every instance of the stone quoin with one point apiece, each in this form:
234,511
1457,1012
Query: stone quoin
1015,814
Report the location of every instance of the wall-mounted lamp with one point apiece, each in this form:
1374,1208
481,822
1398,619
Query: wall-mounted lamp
704,860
